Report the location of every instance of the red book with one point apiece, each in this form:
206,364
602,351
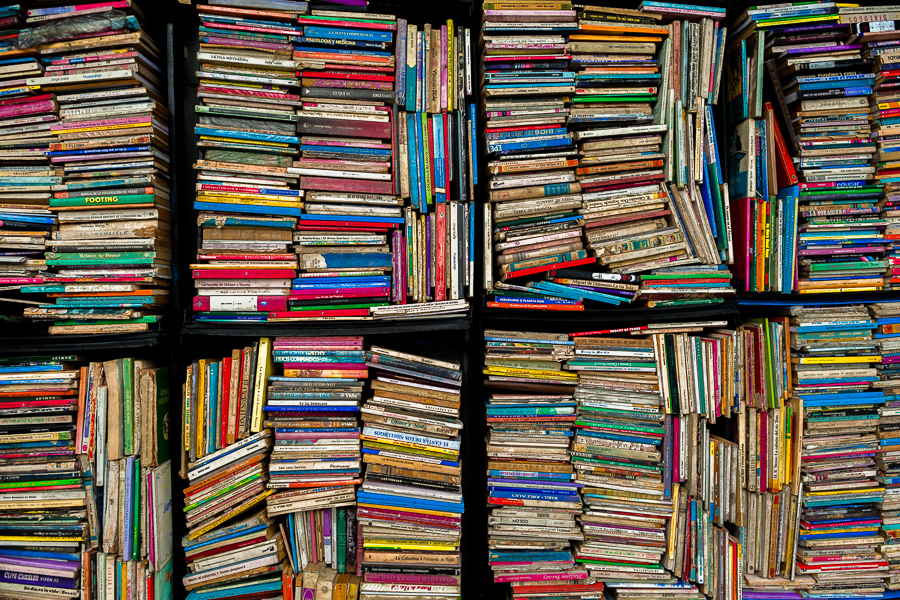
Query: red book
566,307
224,402
348,76
243,273
551,267
310,314
240,303
785,174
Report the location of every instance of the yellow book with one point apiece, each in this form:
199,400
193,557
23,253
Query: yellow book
440,513
834,360
294,199
795,20
142,123
403,444
840,492
494,370
264,367
237,200
404,546
216,138
451,67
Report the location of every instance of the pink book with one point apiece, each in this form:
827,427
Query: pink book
676,449
319,436
319,365
443,67
243,273
762,472
340,293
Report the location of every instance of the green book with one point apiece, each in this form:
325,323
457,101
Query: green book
128,401
611,98
100,201
340,544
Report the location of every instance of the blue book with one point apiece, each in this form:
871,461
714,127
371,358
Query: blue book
247,208
310,408
348,34
253,588
411,82
412,142
129,506
26,218
363,497
246,135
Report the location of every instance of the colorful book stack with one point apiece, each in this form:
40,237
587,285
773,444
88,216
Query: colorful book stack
824,85
618,457
87,480
887,320
880,45
635,129
438,147
839,527
225,458
26,177
315,464
351,215
533,500
246,134
43,495
532,224
111,257
410,504
124,438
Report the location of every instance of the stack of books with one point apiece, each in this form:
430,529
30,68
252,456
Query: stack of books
111,258
534,503
229,537
410,504
43,496
246,134
533,224
826,84
834,372
880,44
887,335
87,477
26,177
617,454
122,425
438,163
314,468
620,158
352,216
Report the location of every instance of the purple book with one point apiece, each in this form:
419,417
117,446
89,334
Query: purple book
58,565
826,48
32,579
326,527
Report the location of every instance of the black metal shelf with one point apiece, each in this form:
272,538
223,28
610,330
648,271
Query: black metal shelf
197,329
44,343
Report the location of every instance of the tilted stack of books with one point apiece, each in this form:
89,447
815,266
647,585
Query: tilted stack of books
247,202
315,466
410,504
111,257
